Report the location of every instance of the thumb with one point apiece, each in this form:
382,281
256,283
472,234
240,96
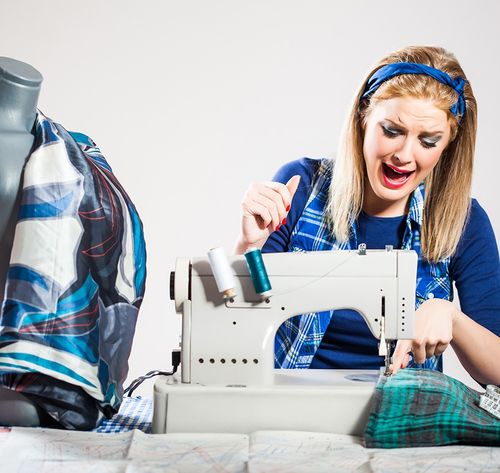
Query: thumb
399,355
292,185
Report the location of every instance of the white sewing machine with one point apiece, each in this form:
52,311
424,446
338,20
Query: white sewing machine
228,380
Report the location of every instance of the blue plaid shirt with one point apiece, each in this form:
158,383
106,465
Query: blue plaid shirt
298,339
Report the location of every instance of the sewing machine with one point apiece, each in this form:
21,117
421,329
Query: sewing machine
228,382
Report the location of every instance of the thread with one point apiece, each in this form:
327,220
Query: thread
258,272
222,272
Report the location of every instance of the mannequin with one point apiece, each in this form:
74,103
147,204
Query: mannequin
19,90
72,293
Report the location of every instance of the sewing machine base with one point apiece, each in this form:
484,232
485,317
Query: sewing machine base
335,401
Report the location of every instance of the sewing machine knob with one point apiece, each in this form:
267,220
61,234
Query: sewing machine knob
172,285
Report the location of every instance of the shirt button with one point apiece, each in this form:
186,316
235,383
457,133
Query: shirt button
430,295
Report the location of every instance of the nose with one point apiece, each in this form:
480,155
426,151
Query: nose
404,154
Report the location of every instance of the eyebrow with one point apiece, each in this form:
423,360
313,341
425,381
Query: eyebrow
429,134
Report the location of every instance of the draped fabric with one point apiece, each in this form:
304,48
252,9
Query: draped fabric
425,408
76,277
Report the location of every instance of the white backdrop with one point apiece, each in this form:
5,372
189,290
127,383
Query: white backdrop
190,101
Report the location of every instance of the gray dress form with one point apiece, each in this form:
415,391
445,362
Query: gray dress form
19,90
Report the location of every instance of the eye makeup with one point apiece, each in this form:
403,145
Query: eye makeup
428,140
389,131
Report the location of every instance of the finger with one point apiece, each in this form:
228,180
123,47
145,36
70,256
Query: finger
406,360
440,348
276,195
281,191
286,191
430,350
402,348
271,206
292,185
257,211
418,350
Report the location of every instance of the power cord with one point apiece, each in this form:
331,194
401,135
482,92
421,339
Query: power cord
176,361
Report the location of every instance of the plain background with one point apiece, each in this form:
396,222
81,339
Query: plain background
190,101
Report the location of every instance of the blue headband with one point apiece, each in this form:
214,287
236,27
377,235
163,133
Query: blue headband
399,68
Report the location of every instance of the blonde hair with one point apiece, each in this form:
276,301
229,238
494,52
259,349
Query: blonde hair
447,188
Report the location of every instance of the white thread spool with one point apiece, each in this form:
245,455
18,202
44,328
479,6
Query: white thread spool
222,272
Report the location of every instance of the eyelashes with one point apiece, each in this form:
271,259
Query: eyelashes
393,133
428,144
389,132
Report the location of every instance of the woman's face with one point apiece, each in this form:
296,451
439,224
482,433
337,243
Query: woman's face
403,141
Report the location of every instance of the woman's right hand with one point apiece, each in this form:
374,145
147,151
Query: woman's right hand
265,207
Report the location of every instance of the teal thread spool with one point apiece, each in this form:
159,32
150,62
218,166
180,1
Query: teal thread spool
258,272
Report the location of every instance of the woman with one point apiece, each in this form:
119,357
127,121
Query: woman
401,177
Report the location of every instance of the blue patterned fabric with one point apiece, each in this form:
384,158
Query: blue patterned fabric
298,339
77,274
134,413
394,69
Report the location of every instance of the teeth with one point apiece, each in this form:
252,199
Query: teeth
398,172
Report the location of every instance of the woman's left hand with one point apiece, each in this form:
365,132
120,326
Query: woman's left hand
433,333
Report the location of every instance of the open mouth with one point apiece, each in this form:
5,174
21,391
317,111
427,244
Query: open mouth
395,177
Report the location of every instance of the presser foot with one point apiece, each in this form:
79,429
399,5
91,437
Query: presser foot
388,358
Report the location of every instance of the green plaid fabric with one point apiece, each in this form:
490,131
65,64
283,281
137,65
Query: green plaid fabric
424,408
